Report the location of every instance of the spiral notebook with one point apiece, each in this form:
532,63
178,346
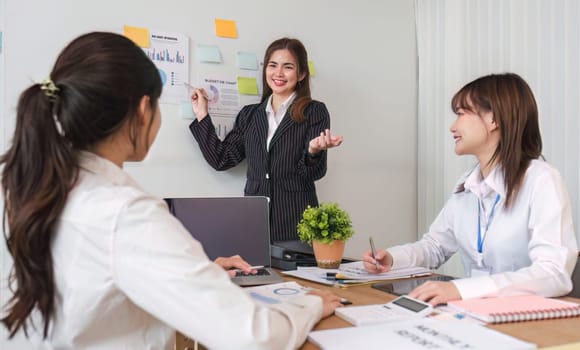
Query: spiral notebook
516,309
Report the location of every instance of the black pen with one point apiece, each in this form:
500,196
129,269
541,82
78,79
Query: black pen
374,252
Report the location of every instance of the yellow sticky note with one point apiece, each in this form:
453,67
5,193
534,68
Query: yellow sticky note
225,28
247,86
140,36
311,68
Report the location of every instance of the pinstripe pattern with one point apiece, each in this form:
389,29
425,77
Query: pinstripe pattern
281,174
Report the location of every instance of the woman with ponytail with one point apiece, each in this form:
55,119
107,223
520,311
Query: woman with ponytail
284,138
98,262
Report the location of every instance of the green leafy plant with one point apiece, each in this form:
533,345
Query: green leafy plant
324,223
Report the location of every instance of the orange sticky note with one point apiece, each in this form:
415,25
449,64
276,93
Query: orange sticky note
225,28
140,36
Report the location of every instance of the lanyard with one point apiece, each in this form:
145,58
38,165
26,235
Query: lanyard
479,240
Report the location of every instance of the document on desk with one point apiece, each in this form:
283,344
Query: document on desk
353,273
415,334
276,293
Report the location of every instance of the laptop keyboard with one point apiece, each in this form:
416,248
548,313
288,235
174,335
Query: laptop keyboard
261,272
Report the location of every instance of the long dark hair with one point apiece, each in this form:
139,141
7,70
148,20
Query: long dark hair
95,87
515,112
303,87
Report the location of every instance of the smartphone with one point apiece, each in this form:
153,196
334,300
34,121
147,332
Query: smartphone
404,287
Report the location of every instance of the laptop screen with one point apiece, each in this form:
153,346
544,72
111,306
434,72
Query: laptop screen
227,226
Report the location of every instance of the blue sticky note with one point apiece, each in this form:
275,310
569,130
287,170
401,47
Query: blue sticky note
187,110
208,54
247,60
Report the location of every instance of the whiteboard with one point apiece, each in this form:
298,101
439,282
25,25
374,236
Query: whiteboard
364,54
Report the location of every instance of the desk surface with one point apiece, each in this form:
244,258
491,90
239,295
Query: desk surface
543,333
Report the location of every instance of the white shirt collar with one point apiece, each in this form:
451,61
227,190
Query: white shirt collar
96,164
284,105
492,184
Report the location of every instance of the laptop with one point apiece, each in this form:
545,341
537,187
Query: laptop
227,226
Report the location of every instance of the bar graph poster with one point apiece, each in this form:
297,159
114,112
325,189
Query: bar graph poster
223,101
170,53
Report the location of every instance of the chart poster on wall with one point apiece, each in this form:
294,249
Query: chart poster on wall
223,101
170,53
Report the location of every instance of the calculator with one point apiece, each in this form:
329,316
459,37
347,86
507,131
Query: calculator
401,308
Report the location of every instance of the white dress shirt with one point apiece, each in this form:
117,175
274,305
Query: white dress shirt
274,118
128,275
529,248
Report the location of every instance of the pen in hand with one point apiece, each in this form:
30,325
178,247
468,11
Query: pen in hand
374,253
191,87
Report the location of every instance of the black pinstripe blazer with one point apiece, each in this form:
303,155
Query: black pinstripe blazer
285,173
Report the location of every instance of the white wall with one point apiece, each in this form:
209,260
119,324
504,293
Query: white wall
365,57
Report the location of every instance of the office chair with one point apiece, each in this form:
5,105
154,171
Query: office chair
576,280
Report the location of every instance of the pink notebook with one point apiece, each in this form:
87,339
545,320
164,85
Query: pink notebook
515,309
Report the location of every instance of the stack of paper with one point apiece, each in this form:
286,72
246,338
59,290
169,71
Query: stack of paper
353,274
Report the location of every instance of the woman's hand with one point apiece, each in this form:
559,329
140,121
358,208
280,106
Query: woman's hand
436,293
235,262
383,258
199,103
330,301
323,142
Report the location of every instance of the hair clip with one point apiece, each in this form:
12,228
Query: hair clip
49,88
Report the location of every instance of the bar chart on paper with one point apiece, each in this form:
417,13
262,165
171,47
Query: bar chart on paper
164,55
169,52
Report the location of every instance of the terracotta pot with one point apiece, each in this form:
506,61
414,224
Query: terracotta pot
328,256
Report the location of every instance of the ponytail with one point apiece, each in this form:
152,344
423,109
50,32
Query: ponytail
94,89
39,170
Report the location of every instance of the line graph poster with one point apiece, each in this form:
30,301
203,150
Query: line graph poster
170,53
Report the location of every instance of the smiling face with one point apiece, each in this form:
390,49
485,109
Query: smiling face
282,74
475,134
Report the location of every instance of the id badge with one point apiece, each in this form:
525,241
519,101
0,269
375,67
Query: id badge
478,271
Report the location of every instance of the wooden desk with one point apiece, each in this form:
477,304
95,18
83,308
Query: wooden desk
543,333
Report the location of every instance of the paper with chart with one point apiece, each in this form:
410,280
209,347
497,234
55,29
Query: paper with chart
276,293
353,273
170,53
223,102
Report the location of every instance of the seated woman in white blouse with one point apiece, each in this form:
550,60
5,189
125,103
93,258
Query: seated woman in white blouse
98,262
509,218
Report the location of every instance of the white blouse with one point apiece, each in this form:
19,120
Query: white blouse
275,117
529,248
128,275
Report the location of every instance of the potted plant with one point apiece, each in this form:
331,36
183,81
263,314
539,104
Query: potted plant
326,228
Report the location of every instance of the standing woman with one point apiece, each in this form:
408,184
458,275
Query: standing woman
284,138
98,262
509,218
